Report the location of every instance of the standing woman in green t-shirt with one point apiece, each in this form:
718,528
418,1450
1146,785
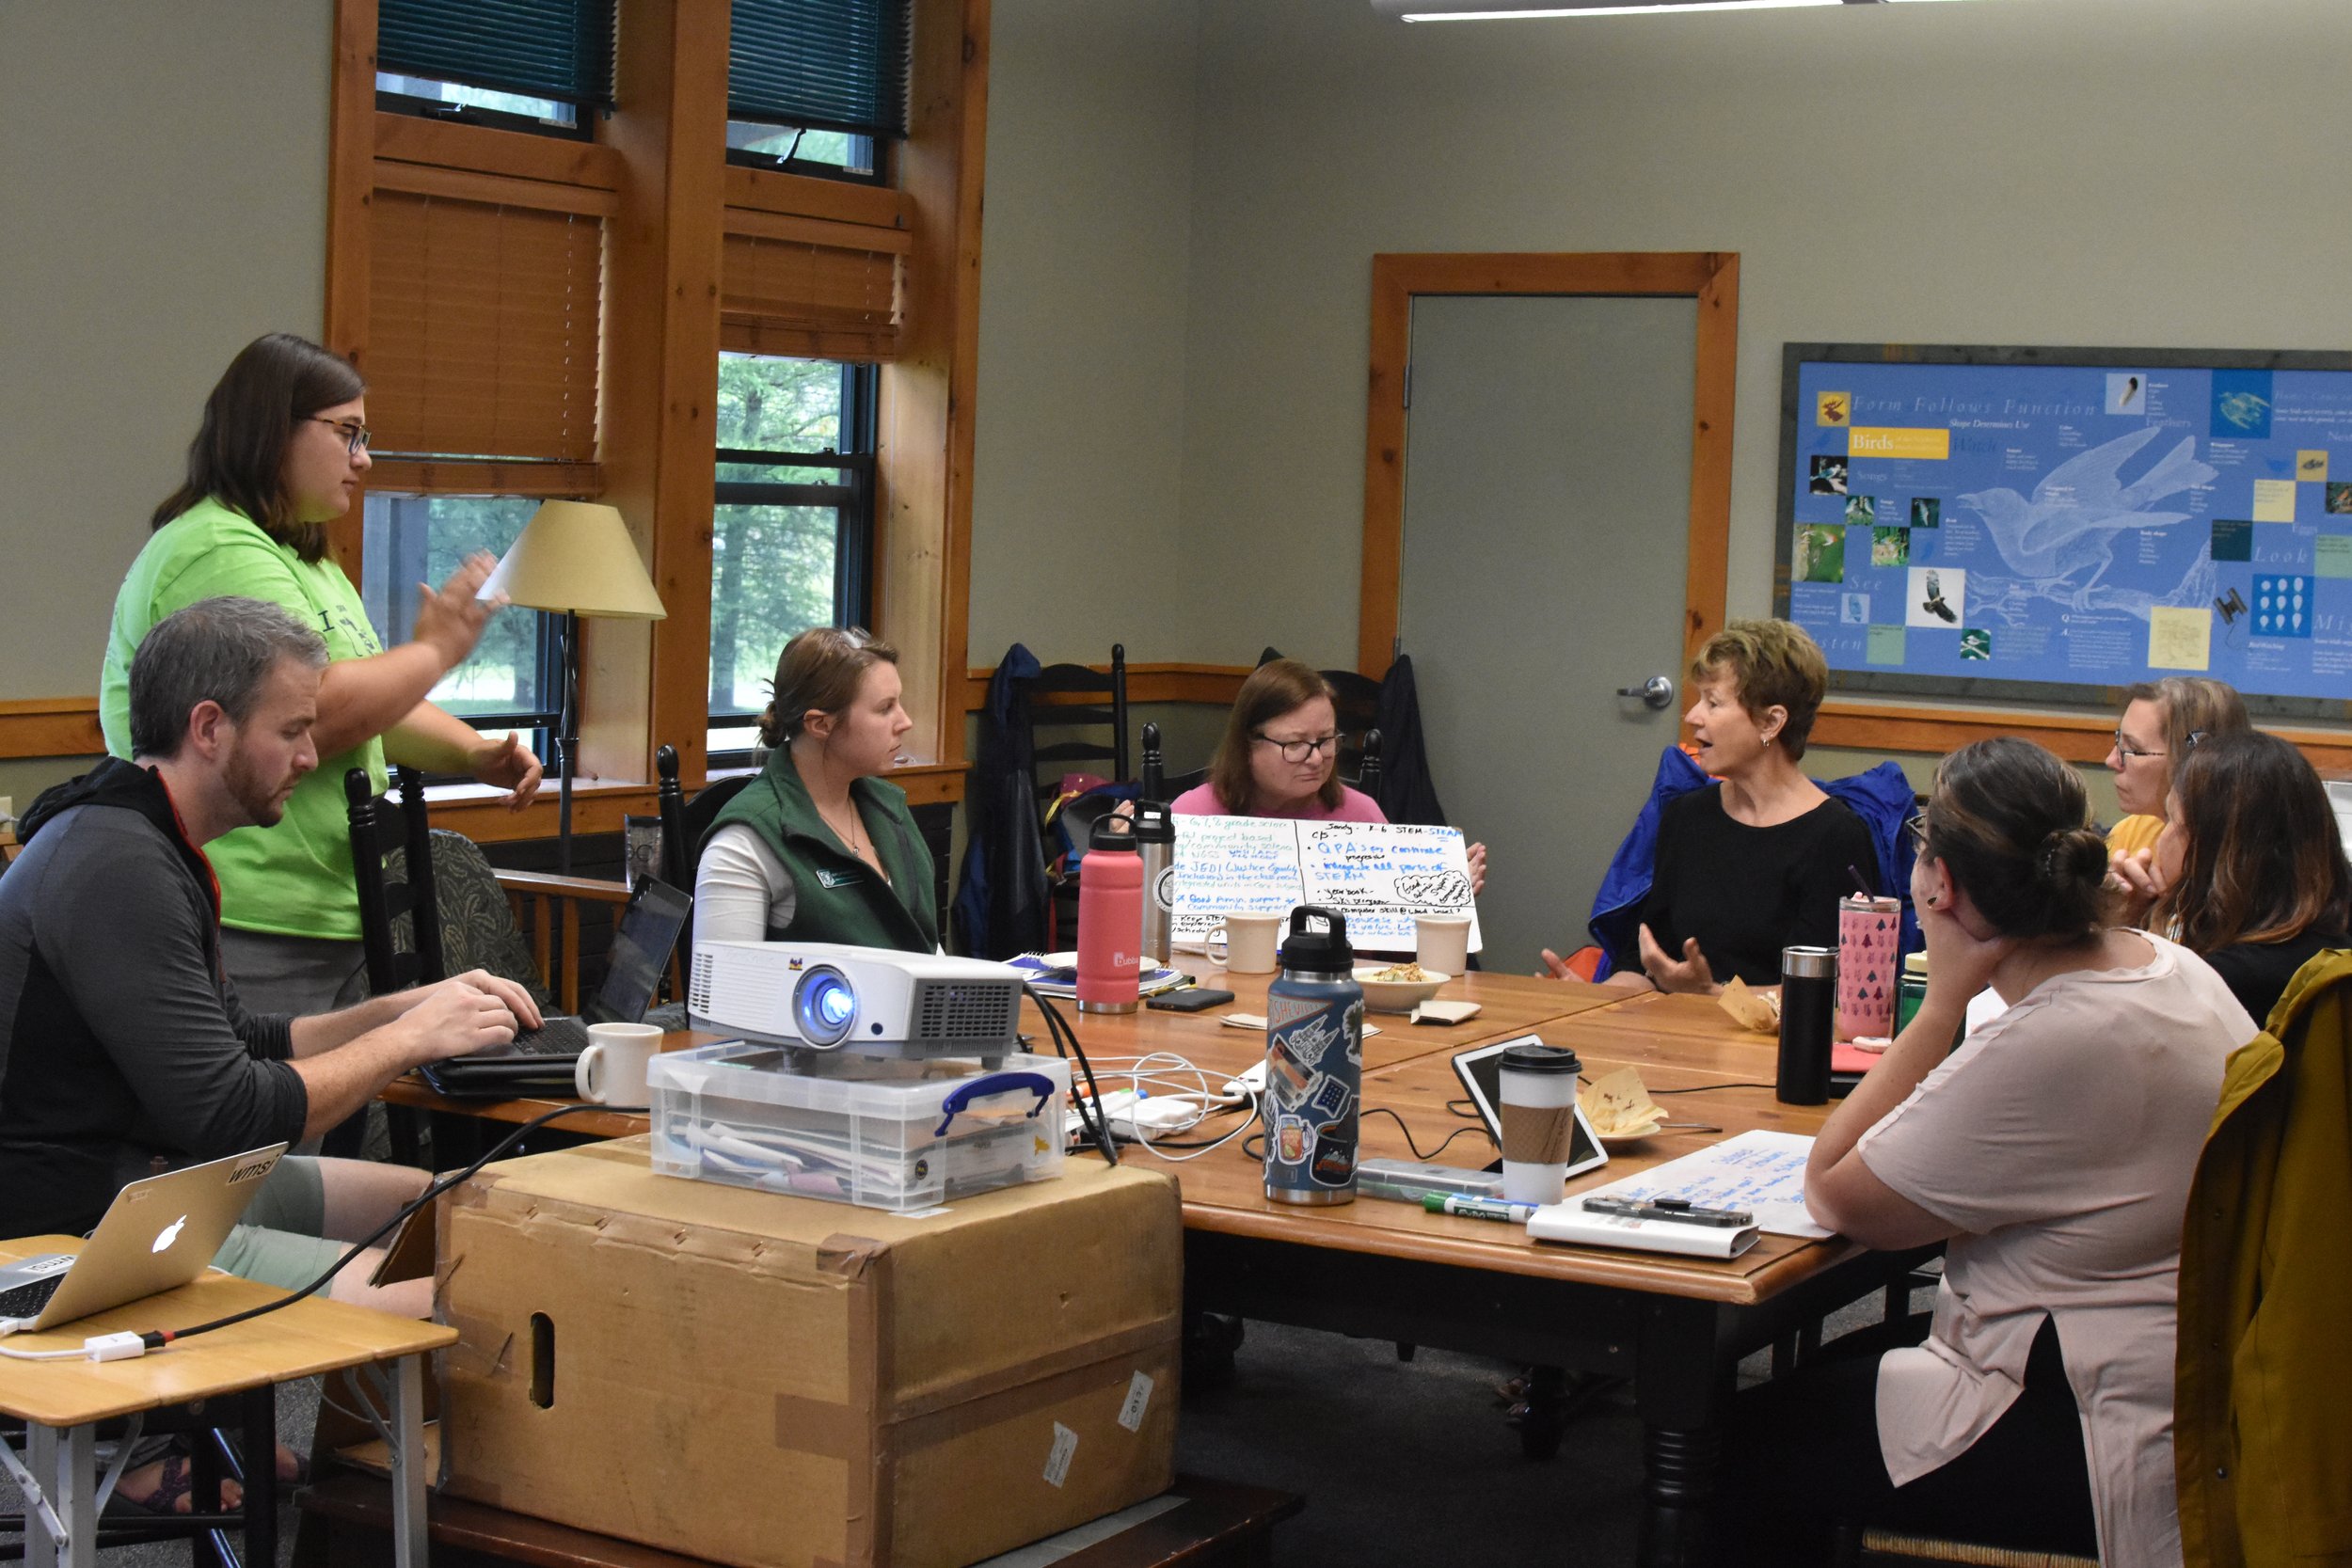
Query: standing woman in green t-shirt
279,454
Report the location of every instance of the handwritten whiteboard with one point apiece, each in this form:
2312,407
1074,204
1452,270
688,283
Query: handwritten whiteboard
1378,874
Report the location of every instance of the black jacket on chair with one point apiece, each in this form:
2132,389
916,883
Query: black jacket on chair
999,910
1408,794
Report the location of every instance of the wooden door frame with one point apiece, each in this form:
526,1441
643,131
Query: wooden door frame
1710,278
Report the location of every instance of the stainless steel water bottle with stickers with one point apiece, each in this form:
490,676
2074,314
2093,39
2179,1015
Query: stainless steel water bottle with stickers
1314,1063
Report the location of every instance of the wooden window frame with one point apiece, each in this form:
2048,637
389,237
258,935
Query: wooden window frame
657,172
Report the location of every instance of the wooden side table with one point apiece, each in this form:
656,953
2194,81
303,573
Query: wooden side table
62,1402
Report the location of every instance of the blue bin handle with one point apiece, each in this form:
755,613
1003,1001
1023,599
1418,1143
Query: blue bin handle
995,1082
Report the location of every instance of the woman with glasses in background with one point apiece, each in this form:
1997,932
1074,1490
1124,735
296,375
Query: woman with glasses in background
2254,866
1280,757
2152,736
279,454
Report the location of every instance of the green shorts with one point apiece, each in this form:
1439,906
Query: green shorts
279,1242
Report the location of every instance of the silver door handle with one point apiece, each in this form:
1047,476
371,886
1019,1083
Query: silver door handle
1658,691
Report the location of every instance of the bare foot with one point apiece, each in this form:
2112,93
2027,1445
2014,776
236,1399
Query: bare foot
168,1486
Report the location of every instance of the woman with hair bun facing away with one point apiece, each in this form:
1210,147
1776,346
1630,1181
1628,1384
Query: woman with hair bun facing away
819,847
2052,1149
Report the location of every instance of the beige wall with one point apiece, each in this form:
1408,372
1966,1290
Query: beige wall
163,200
1076,534
2160,172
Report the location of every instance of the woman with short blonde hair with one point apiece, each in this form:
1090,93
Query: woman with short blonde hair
1756,861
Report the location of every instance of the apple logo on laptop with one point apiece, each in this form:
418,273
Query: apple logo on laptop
169,1234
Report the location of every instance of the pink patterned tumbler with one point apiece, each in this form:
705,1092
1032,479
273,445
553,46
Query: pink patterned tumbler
1869,965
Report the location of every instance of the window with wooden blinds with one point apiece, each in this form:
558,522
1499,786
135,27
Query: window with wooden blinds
482,330
800,298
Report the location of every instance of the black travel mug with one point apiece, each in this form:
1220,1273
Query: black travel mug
1808,1009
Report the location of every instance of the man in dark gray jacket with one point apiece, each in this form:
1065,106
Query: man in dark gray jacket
124,1050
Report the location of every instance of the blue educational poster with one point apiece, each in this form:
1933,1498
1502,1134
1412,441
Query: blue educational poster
2002,526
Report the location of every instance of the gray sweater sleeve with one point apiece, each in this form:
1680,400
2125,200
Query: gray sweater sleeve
127,937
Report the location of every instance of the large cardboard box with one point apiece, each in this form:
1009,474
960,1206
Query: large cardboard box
775,1381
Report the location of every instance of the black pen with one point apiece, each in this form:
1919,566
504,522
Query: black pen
1679,1209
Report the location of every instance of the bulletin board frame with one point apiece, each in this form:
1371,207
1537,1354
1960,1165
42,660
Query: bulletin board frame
1927,368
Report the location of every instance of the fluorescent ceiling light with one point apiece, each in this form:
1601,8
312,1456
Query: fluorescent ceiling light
1488,10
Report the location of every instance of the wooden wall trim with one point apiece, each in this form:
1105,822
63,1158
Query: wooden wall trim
496,190
1706,580
350,192
804,195
413,139
923,492
824,231
50,727
432,477
1216,684
67,726
1710,278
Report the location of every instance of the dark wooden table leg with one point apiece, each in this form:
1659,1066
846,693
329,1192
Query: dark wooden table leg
1680,1385
260,1476
208,1549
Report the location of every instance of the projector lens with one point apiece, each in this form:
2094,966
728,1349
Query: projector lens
824,1005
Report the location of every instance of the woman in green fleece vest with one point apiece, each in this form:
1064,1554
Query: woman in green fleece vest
817,847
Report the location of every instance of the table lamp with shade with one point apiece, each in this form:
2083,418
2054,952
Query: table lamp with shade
577,558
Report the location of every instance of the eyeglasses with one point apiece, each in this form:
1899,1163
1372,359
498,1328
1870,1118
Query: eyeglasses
2197,737
1299,751
355,436
1916,826
2128,751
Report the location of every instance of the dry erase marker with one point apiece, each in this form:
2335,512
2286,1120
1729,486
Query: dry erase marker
1479,1207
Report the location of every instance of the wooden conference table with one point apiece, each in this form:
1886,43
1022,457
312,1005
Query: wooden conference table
1676,1326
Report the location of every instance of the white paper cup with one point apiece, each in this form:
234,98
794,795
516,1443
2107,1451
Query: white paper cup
1538,1114
1441,942
1248,944
612,1071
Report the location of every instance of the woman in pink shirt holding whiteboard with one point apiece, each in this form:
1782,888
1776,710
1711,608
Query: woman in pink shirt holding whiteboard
1280,758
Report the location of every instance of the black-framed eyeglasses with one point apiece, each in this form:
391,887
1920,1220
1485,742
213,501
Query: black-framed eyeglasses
2125,750
355,436
1916,826
1299,751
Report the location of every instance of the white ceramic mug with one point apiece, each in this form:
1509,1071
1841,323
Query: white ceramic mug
1249,945
1441,942
612,1071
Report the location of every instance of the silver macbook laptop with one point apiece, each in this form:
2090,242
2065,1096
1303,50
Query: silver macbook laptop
158,1235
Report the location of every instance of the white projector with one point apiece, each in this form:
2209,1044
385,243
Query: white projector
873,1001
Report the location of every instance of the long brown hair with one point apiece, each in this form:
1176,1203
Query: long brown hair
2263,860
2011,822
818,672
238,457
1273,689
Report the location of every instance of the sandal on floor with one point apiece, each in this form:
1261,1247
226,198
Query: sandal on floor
176,1481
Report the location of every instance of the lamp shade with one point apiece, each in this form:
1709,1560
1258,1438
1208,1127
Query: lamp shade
576,555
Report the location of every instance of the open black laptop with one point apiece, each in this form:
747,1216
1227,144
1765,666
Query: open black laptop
543,1058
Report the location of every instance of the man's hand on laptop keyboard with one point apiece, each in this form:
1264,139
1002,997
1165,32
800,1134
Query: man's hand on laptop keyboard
459,1016
517,1000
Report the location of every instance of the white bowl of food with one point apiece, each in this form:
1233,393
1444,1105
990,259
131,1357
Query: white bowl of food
1398,987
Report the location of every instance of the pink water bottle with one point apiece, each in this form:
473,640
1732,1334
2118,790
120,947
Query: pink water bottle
1110,919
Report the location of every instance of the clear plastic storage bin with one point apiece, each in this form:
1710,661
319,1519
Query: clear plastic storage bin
885,1134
